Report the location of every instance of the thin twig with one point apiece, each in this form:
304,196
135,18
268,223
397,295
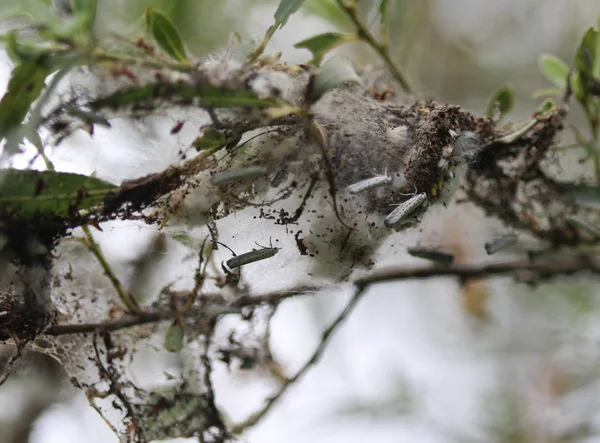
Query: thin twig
381,48
112,325
215,416
10,365
533,270
317,353
319,134
142,318
128,299
99,55
199,276
111,377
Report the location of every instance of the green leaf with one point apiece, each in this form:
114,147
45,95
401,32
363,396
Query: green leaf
332,74
19,52
165,34
184,238
36,10
596,67
174,337
577,87
554,69
548,105
85,12
203,95
211,140
584,57
320,44
383,8
26,83
547,92
285,9
328,10
503,101
27,193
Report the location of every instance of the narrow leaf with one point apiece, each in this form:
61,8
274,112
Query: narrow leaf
184,238
596,67
577,86
165,34
25,85
547,92
554,69
174,337
383,5
320,44
203,95
332,74
285,9
85,11
548,105
328,10
27,193
584,57
212,140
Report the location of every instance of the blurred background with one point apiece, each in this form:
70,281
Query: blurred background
425,361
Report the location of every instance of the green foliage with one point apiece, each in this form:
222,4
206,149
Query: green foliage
165,34
584,57
184,238
502,101
285,9
383,8
85,12
75,27
320,44
27,193
206,95
546,106
328,10
26,83
580,82
36,9
212,140
554,69
547,92
596,64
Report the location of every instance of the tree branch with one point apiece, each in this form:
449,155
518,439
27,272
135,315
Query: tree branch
525,270
130,321
529,270
316,355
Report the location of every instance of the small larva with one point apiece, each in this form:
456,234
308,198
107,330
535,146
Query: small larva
251,257
404,209
233,175
501,243
577,222
432,254
369,183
